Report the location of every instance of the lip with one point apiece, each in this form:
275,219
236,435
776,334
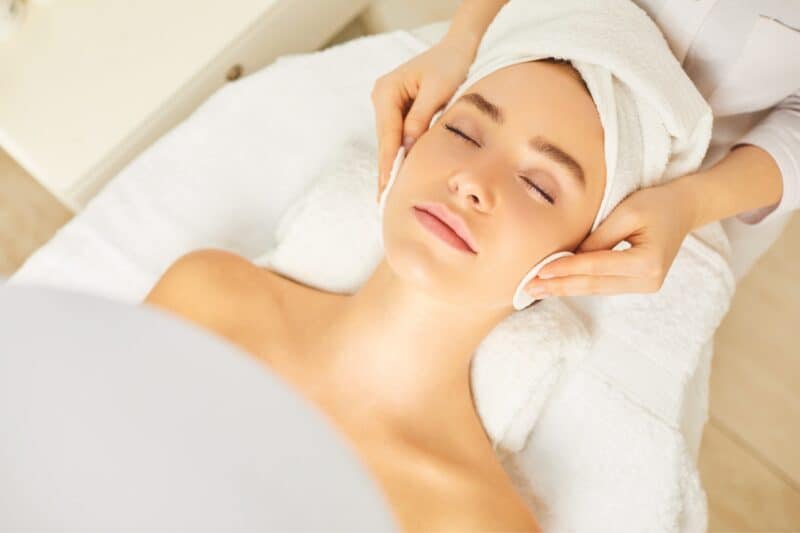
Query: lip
452,221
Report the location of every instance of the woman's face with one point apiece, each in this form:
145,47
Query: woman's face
519,204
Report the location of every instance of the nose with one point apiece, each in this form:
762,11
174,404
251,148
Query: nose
474,187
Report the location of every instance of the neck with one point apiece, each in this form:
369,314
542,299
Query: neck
403,355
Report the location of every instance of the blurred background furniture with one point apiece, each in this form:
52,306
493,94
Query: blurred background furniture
88,84
748,459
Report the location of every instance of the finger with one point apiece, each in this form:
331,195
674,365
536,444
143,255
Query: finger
390,131
618,226
389,106
630,262
426,103
585,285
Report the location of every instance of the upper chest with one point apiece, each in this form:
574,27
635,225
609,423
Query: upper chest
423,487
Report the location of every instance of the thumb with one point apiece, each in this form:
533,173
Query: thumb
389,117
608,234
427,102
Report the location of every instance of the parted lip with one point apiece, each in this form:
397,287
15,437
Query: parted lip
451,219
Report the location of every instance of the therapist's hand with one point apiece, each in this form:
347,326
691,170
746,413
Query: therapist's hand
424,83
654,221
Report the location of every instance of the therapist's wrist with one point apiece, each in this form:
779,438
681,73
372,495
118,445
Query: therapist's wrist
469,24
690,191
465,45
747,178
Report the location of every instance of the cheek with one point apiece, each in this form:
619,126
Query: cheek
438,147
579,220
421,176
522,242
529,222
530,236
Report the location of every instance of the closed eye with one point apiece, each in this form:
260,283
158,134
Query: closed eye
528,183
461,134
531,185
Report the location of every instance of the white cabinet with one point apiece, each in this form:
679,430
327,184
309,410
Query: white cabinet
86,85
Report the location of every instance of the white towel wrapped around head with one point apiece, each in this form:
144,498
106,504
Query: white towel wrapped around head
656,124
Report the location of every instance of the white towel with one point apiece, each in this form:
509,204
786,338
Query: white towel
606,451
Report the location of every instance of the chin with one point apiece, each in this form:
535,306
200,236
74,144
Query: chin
417,264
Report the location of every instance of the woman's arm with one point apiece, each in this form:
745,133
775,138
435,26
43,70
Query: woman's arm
746,178
469,23
778,134
760,175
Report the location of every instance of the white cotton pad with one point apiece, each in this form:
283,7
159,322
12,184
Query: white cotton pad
521,298
398,160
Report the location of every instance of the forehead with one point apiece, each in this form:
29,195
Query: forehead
534,87
537,98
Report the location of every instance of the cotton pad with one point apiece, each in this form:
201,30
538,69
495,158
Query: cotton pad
521,298
398,160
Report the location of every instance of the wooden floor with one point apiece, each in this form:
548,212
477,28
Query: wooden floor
750,456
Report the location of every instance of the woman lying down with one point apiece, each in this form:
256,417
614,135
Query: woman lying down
390,364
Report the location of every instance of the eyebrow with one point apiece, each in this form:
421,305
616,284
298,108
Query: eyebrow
538,143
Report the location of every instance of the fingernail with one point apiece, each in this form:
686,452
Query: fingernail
538,292
544,275
408,140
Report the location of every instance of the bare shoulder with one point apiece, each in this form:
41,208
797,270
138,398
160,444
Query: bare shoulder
195,274
217,289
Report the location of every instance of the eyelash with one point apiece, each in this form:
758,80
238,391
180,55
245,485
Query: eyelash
528,183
